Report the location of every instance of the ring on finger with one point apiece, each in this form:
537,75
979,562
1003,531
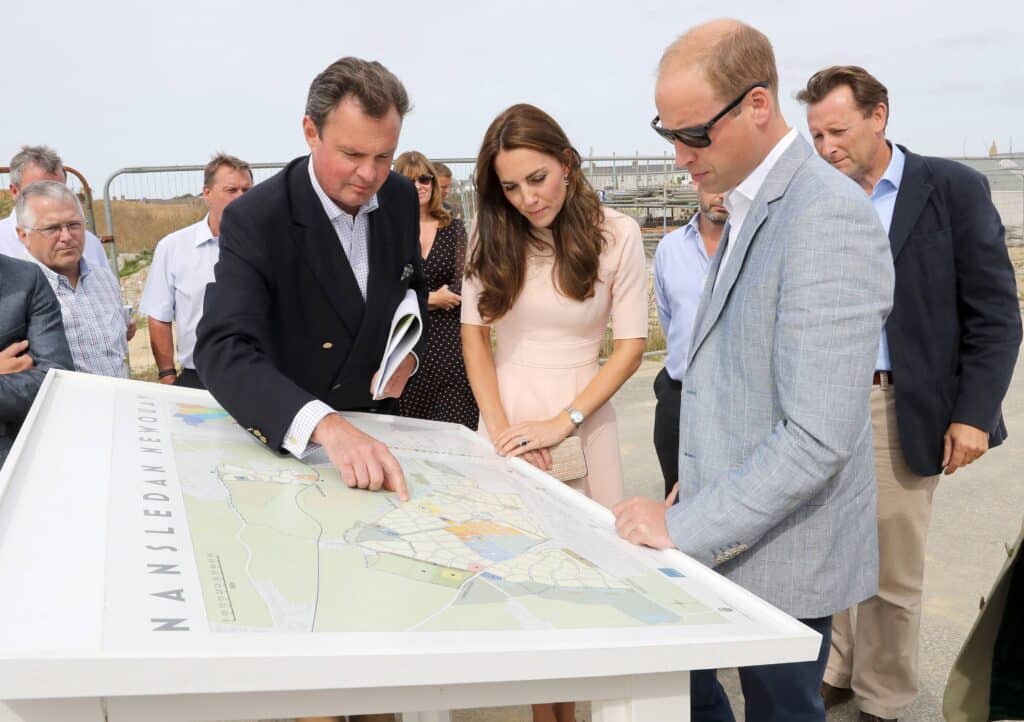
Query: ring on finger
523,441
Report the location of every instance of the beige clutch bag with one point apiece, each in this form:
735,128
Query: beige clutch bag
567,460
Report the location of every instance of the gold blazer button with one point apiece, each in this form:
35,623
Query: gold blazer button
328,344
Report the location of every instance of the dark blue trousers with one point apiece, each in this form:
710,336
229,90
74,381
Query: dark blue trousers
771,692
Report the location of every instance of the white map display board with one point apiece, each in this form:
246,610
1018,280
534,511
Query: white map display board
198,551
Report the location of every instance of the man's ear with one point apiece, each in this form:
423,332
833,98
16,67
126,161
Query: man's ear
310,132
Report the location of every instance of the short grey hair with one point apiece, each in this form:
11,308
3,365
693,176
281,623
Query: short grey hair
376,88
42,189
42,156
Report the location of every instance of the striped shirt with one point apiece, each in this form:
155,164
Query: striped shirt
94,319
354,236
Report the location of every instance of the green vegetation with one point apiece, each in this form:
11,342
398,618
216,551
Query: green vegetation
138,261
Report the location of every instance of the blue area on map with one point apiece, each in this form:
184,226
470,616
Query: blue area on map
500,548
492,577
670,572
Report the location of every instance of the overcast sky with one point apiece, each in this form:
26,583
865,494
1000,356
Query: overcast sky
112,84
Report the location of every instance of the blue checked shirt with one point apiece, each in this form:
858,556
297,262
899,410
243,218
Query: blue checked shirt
94,319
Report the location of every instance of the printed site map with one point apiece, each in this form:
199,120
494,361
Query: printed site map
283,545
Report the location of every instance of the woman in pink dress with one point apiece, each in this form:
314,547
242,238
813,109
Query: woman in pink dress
547,268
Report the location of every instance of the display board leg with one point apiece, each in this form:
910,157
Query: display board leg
438,716
654,698
53,710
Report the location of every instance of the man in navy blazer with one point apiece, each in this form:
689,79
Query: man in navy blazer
946,356
313,264
32,341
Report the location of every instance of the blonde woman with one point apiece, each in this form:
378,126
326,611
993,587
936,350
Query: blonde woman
440,389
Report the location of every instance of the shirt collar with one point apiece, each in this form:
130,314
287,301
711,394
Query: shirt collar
203,232
83,269
750,185
893,173
331,208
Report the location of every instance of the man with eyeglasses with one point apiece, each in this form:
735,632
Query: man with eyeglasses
944,362
51,227
31,164
776,479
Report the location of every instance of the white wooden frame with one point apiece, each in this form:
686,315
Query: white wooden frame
55,666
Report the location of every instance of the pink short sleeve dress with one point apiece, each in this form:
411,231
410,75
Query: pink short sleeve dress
548,345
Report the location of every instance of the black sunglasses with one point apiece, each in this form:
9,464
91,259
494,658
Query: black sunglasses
425,179
696,136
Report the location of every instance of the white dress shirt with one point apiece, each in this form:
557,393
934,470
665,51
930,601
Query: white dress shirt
176,286
11,245
739,200
93,318
354,236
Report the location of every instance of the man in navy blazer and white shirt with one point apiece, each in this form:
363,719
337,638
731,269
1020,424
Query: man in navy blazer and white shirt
776,477
313,264
944,364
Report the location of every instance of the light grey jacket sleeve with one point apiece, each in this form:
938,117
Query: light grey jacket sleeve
835,289
47,344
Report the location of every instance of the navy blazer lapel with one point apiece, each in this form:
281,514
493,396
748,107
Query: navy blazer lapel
913,195
383,245
772,189
319,245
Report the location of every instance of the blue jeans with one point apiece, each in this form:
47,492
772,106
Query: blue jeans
771,692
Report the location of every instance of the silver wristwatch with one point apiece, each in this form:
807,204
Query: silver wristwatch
575,415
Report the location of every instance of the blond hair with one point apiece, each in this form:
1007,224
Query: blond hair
732,55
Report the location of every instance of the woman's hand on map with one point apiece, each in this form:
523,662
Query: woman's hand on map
362,461
532,437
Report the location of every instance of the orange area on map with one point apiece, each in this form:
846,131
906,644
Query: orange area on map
472,529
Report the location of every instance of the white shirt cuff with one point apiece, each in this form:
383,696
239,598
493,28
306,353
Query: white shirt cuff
296,438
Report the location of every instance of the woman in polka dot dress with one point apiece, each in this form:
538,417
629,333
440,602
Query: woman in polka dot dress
439,390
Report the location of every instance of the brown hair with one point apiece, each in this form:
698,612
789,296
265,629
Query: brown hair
412,163
732,55
374,86
503,235
443,170
867,91
223,159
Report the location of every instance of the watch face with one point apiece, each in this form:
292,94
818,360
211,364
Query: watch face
576,416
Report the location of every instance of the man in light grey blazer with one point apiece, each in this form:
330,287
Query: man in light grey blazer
776,480
32,341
